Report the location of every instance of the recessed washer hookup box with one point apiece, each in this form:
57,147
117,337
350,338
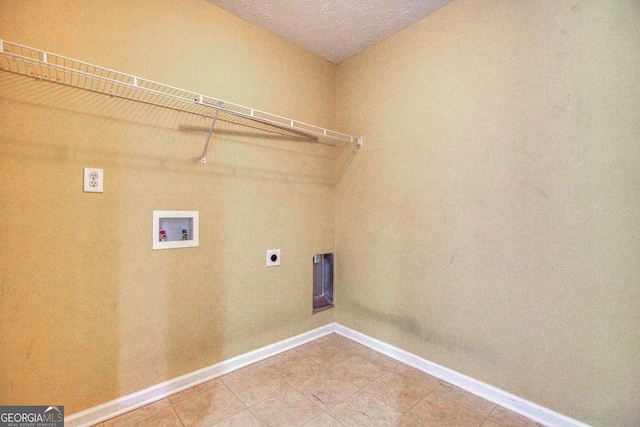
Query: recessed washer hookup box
175,229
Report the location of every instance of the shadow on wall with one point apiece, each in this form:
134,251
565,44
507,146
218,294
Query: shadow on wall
413,327
344,157
127,318
58,298
179,138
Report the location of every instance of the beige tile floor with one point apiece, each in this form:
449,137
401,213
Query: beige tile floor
332,382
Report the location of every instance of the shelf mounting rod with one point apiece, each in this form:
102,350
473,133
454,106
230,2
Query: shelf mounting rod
203,158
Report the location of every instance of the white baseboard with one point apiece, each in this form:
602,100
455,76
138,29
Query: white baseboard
493,394
152,394
119,406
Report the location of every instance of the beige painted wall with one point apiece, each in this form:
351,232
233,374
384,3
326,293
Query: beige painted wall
491,223
88,311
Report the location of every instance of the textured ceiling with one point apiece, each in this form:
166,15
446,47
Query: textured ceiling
332,29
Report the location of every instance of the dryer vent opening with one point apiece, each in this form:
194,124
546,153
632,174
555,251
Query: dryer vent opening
322,281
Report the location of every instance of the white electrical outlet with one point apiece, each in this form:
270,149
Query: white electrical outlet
93,180
273,257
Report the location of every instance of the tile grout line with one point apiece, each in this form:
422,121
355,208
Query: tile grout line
330,369
386,371
177,414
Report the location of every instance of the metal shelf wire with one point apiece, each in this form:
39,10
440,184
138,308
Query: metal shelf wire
54,68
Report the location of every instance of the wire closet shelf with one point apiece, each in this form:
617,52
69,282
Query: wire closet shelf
47,66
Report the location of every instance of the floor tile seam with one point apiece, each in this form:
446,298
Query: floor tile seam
304,357
357,387
197,394
342,400
327,414
404,413
323,355
460,407
177,415
352,353
236,413
375,379
408,417
446,384
361,358
493,410
439,382
485,422
316,404
301,392
465,406
412,382
362,388
259,420
264,361
221,384
250,367
500,423
416,382
275,393
248,408
382,401
343,378
490,417
382,366
262,399
366,354
232,415
415,423
131,422
332,365
294,385
240,400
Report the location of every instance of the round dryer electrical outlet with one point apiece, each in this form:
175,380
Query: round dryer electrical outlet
273,257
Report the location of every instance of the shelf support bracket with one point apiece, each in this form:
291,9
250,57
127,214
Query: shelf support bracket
203,158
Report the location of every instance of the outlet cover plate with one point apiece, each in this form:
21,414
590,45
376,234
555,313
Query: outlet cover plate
93,180
273,257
